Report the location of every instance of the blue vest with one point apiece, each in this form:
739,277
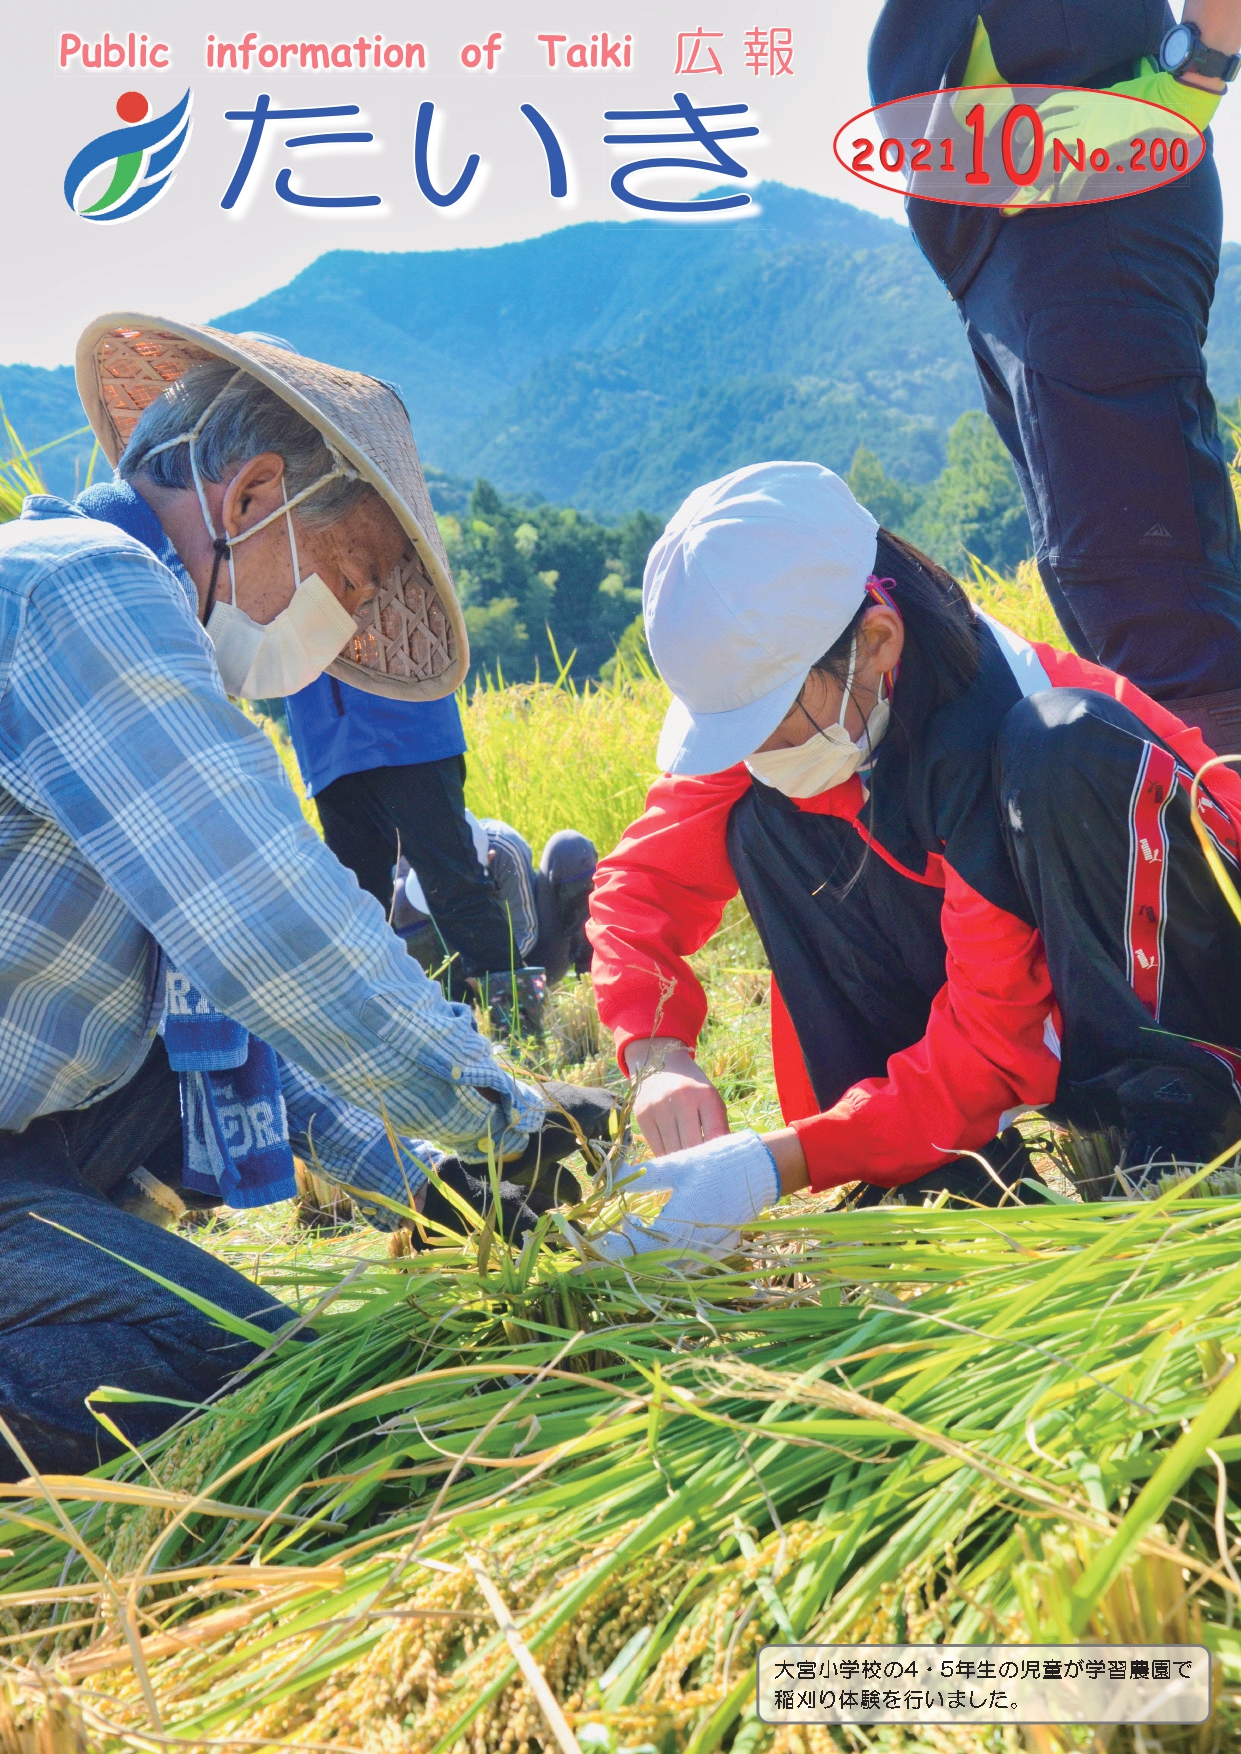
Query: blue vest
338,730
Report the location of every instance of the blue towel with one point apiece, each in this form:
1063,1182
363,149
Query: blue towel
234,1128
197,1036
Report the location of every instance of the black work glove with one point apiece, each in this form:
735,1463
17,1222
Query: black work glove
520,1208
533,1182
572,1109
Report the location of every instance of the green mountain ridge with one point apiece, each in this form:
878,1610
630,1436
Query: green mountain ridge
614,366
551,363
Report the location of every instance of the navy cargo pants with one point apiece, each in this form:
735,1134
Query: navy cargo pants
1087,326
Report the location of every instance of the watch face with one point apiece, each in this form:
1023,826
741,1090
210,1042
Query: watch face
1178,46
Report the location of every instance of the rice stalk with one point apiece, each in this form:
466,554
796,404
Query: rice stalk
19,472
904,1438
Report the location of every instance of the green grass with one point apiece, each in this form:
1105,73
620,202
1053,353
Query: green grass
882,1425
19,472
546,756
876,1425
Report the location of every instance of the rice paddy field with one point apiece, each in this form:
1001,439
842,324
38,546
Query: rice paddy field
508,1501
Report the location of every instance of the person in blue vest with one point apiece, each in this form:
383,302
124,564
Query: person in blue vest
1087,326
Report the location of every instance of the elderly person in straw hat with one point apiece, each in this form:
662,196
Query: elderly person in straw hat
269,521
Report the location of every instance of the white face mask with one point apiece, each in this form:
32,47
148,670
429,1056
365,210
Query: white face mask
260,661
826,759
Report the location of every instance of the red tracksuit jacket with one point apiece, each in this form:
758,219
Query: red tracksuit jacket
990,1046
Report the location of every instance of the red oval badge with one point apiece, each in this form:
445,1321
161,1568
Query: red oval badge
1019,146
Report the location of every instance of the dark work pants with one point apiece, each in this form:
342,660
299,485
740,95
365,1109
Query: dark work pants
1143,950
420,809
858,966
72,1318
1087,326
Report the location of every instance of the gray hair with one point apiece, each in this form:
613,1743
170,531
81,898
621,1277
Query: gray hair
247,420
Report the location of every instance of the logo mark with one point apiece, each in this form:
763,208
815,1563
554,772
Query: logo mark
142,156
1158,532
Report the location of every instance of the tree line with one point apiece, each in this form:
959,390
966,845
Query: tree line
539,581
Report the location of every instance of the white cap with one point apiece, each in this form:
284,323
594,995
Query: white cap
754,578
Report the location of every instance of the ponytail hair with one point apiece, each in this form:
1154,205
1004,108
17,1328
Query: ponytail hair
940,624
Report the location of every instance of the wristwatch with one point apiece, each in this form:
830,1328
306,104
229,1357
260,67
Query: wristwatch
1183,51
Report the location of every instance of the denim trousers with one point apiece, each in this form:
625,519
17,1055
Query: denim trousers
78,1312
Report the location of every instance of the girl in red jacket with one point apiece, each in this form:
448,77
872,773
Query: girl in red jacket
970,860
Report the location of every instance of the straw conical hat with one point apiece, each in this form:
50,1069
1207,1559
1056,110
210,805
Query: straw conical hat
411,642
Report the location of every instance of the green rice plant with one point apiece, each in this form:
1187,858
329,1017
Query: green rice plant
875,1426
19,472
546,756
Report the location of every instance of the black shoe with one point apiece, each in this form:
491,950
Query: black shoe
967,1183
1173,1119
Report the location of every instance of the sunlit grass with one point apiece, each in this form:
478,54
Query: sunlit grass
941,1426
879,1426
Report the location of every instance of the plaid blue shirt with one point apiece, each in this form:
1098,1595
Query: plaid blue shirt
143,817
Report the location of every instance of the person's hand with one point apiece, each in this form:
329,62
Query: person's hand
1097,120
716,1187
677,1105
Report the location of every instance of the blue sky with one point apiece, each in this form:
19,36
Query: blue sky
187,257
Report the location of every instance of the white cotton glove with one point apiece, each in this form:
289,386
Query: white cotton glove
716,1188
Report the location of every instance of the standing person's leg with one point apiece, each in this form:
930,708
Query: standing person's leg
1093,321
1144,954
999,404
357,829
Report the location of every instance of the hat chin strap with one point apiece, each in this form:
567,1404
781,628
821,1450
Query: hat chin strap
221,547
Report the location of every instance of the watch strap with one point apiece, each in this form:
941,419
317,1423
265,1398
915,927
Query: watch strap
1213,63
